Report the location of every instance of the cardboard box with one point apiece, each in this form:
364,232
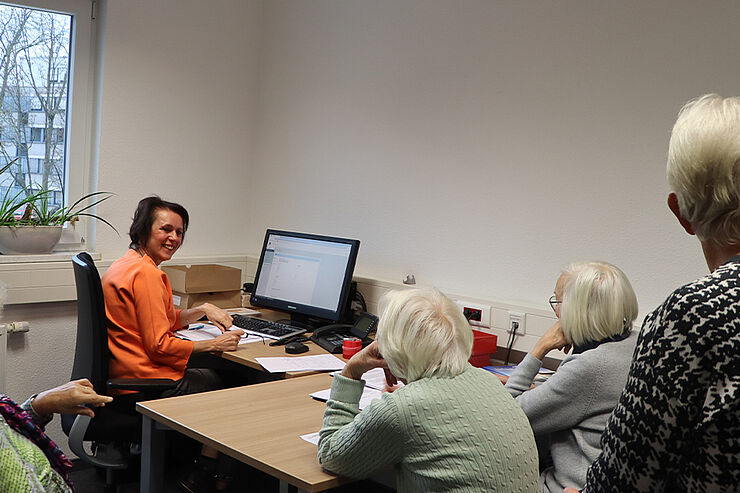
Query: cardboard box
206,278
196,284
222,299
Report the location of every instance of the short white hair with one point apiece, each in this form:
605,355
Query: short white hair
704,167
598,302
423,333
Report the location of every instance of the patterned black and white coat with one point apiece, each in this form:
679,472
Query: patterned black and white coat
677,424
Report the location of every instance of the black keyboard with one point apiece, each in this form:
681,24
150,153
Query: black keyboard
271,330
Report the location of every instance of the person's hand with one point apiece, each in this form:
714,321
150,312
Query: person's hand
216,316
570,490
365,360
391,382
552,339
69,398
228,341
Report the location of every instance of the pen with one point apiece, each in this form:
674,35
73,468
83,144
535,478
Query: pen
195,327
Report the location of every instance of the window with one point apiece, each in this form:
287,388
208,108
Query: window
47,98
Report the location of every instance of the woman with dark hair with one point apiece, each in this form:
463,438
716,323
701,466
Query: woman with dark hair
142,319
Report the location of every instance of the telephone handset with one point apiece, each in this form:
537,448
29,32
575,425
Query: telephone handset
330,337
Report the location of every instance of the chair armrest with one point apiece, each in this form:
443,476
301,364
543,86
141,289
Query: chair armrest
142,384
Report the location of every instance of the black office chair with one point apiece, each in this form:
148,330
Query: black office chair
117,421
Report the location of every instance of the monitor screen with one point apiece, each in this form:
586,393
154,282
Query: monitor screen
308,276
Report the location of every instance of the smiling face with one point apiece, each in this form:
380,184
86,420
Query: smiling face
165,237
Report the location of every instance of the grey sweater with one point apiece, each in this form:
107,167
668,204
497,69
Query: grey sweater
568,412
457,434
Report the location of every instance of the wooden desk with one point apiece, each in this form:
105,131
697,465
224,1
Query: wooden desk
247,354
259,425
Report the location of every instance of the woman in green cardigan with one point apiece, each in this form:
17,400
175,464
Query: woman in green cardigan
451,427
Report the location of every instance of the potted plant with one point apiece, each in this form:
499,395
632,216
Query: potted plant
39,227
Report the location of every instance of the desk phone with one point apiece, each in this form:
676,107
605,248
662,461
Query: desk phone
331,337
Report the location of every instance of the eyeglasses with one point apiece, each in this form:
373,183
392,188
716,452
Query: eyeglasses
554,302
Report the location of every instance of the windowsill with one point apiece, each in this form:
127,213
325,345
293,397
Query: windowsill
41,257
46,278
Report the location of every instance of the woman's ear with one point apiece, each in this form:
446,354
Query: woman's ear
673,206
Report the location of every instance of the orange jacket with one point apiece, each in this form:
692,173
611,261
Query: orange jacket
142,321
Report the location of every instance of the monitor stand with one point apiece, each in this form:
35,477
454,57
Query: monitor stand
305,322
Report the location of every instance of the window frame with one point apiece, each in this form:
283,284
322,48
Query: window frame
80,106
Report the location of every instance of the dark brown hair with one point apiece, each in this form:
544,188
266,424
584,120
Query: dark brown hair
141,228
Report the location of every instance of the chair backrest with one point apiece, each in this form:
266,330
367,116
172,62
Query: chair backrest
91,350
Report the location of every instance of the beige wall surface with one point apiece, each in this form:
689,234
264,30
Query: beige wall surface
483,144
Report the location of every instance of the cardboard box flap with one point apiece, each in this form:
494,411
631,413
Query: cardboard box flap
205,278
222,299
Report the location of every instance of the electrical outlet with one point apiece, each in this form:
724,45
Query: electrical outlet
480,315
472,314
516,321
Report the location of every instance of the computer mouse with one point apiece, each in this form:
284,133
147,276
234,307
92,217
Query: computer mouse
295,348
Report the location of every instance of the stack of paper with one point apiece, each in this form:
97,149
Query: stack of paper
320,362
206,332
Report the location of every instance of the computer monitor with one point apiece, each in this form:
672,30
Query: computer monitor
308,276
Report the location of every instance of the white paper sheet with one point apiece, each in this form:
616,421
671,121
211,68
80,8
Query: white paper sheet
206,332
243,311
312,438
320,362
368,395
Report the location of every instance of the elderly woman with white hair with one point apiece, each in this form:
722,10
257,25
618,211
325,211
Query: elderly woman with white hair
595,306
452,427
677,424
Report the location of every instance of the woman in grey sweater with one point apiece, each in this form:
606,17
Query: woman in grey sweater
596,306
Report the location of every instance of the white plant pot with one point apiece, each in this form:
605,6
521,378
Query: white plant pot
29,239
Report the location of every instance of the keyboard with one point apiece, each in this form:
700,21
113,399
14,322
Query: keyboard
264,328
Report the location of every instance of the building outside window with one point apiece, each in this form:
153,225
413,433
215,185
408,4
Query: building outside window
46,64
36,44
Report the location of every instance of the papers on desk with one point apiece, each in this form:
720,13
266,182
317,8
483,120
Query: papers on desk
368,395
206,332
319,362
312,438
374,386
508,370
247,312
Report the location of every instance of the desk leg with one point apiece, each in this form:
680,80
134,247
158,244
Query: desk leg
289,488
152,456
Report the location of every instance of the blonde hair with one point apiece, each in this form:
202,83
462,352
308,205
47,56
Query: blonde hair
704,167
598,302
423,333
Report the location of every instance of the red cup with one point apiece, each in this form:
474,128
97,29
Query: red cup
350,347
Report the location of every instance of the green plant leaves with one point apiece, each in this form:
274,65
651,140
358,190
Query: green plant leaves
43,213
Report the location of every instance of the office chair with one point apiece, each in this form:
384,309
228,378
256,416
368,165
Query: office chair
117,421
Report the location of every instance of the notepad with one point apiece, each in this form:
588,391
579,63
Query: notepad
319,362
206,332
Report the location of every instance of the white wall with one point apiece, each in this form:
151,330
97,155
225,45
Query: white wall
178,116
484,144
